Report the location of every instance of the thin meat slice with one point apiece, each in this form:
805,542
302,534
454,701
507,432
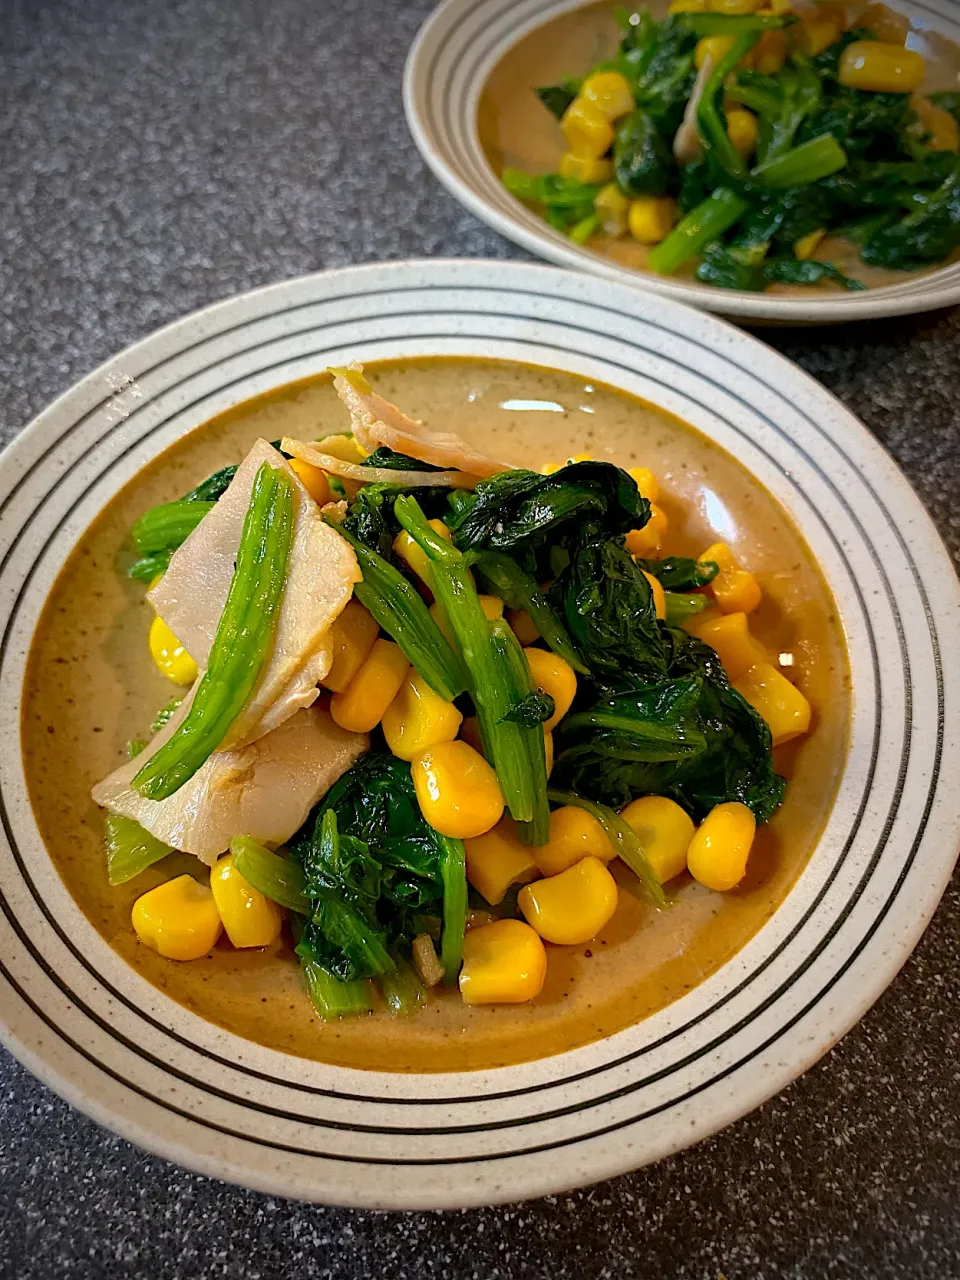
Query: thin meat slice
377,422
321,572
264,790
314,454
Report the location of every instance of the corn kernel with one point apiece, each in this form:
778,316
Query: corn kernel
587,130
360,707
734,589
503,963
688,6
734,7
807,246
344,447
777,8
492,607
659,595
523,626
249,917
735,646
611,207
609,92
352,635
770,52
571,907
885,25
742,131
179,919
881,68
553,675
645,543
169,654
818,30
646,481
779,702
718,853
574,835
410,551
713,47
418,718
314,480
458,792
583,169
548,750
651,218
940,128
498,859
665,830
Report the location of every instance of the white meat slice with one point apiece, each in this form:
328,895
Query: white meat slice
377,422
321,572
264,790
314,454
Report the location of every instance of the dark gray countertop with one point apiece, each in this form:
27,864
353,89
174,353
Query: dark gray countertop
159,156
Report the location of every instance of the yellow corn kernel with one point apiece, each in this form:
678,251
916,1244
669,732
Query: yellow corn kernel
498,859
418,718
776,8
770,52
344,447
735,646
735,7
409,550
885,25
555,676
807,245
645,543
659,596
503,963
647,482
584,170
179,919
818,30
574,835
249,917
941,130
651,217
314,480
523,626
742,131
772,696
665,830
458,792
611,207
470,734
712,47
688,6
169,654
492,607
609,92
360,707
881,68
587,130
734,589
571,907
718,853
352,635
548,750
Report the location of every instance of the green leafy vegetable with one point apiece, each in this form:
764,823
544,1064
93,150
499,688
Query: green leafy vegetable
680,607
642,160
241,643
165,714
722,267
622,837
680,573
707,222
280,879
557,97
130,848
168,525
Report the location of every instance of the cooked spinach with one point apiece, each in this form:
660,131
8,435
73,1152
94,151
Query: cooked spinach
642,160
680,573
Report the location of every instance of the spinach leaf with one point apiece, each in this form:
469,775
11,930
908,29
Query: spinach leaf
642,160
928,234
389,460
557,97
722,267
680,573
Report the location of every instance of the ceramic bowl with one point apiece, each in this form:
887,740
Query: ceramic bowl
448,66
125,1053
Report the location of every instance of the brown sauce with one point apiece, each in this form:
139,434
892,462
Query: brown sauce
517,131
91,686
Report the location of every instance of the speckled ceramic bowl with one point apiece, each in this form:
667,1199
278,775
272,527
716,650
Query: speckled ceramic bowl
452,60
125,1053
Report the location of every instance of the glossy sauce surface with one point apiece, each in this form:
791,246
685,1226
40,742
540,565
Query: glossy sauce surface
91,686
517,131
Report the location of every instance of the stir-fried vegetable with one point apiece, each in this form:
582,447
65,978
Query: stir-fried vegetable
769,131
241,642
130,849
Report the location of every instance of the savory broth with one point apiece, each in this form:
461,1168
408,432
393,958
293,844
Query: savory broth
91,685
517,131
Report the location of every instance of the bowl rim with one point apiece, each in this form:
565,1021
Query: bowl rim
488,1185
916,294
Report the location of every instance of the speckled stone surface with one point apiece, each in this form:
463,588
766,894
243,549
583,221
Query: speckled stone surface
157,155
